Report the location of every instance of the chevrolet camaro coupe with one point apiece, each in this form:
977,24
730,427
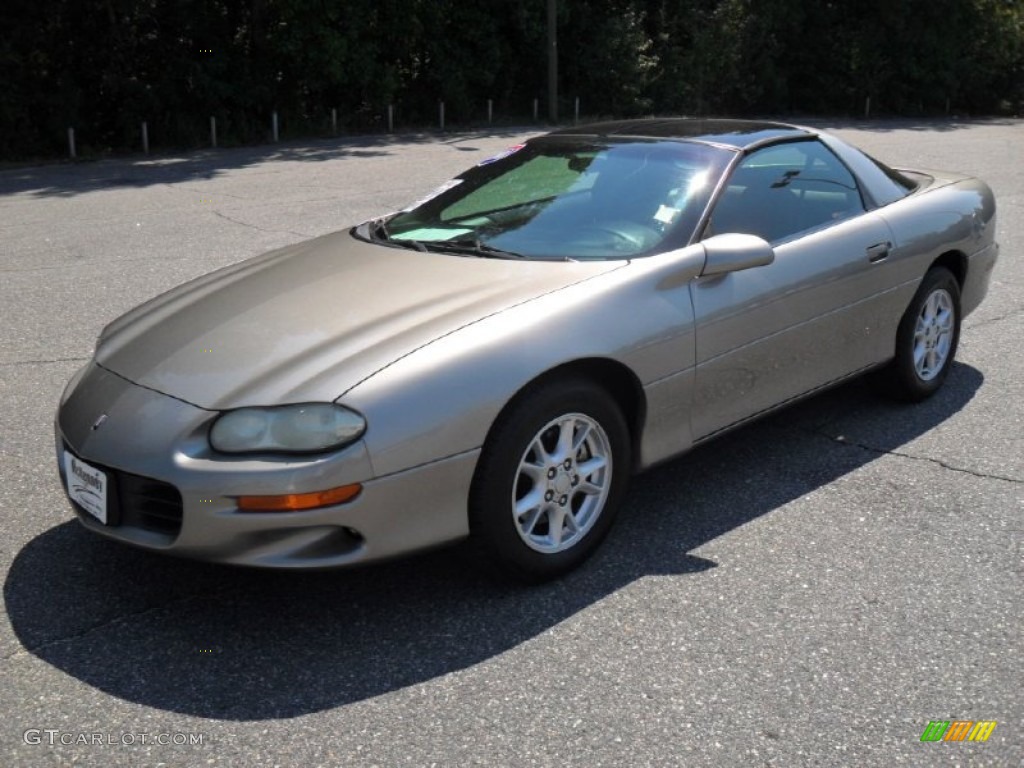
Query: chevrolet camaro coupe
494,362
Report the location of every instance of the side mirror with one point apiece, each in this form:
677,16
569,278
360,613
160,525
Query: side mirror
733,252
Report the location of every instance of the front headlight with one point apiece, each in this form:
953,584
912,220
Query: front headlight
304,428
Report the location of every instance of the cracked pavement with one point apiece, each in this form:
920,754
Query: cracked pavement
882,451
810,590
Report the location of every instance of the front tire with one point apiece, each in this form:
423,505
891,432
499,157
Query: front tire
549,481
927,338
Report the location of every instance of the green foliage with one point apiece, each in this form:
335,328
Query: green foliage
104,67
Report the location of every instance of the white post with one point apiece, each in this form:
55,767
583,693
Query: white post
391,118
535,107
334,120
71,142
145,138
490,110
576,112
213,131
441,114
273,123
867,107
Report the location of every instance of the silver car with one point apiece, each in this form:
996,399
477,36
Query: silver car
494,362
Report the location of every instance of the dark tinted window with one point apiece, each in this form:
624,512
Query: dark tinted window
882,184
784,190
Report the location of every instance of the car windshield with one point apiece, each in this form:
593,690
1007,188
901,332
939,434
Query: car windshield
561,198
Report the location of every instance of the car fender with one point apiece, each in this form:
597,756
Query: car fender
442,399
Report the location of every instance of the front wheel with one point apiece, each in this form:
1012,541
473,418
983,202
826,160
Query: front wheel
549,481
927,338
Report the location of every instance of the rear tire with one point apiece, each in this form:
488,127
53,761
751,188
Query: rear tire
550,479
927,338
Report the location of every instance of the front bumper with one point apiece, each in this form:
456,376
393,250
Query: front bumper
155,446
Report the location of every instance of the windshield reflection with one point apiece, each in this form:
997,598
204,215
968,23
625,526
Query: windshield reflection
559,198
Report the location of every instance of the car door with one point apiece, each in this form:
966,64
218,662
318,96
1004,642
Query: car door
769,334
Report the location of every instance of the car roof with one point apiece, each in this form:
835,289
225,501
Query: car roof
735,134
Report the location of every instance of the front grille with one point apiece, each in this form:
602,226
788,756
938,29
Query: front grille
150,504
139,502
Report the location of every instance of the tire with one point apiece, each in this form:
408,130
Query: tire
538,508
927,338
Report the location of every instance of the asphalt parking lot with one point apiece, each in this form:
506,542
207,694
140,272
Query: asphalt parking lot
809,591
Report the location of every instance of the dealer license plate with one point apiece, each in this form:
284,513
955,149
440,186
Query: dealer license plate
87,486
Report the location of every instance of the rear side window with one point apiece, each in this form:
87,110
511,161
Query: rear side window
882,184
782,191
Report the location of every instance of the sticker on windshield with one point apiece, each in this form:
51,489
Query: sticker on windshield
502,155
440,190
666,214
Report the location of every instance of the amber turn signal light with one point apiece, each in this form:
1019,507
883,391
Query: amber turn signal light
295,501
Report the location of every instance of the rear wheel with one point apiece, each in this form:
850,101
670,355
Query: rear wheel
549,480
927,338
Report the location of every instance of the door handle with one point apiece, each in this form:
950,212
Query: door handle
879,251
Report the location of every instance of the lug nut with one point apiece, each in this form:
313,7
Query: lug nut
567,463
563,500
552,472
549,496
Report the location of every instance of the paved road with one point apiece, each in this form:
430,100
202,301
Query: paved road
809,591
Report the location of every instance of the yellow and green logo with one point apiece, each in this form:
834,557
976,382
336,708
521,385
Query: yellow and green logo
958,730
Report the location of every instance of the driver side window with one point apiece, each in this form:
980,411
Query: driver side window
785,190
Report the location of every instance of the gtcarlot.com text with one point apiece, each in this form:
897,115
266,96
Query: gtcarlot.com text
52,737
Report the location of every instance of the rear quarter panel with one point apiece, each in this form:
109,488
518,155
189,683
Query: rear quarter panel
952,215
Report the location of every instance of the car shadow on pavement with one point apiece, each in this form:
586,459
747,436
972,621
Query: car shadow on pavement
234,644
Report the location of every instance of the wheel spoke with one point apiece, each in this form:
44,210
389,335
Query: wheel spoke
539,451
592,465
530,502
532,521
556,522
565,442
588,488
533,471
581,435
529,514
571,524
919,352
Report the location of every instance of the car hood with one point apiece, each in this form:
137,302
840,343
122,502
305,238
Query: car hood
310,321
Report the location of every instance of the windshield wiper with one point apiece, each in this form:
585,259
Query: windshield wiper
417,245
379,229
475,247
463,247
